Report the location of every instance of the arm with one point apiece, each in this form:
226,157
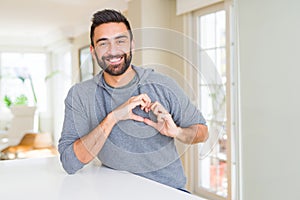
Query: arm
87,147
193,134
166,126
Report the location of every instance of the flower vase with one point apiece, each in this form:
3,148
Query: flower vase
21,123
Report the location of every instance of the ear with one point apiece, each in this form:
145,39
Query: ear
132,46
92,51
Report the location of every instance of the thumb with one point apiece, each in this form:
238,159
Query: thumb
137,118
150,122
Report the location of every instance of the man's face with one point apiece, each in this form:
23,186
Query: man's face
112,48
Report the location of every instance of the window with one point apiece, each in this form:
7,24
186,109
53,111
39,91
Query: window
212,39
213,164
17,70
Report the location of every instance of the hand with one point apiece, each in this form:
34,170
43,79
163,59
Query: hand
124,111
165,123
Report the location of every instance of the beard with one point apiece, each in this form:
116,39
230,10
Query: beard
118,69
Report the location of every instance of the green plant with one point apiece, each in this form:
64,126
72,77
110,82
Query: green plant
7,101
52,74
22,99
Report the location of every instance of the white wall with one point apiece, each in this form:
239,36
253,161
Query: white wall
61,60
270,96
153,23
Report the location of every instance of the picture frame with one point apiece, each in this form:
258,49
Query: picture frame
86,64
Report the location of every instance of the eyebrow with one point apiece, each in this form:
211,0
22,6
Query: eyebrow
115,38
121,36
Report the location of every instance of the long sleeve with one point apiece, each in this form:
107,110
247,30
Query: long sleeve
75,124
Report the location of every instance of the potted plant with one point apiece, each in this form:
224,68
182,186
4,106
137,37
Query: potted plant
23,113
19,106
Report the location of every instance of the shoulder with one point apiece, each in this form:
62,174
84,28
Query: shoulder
82,89
165,80
150,73
159,77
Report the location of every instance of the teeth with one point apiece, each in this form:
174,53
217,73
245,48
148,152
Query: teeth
115,59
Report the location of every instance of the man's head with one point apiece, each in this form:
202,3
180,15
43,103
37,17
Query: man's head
107,16
111,41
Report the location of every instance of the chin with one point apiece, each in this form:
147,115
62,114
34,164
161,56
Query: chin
116,70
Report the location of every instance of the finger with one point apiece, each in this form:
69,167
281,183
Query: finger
142,97
147,102
147,107
157,108
139,102
167,117
145,98
169,120
136,102
161,117
142,104
154,108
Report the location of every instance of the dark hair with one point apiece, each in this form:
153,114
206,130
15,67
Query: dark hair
107,16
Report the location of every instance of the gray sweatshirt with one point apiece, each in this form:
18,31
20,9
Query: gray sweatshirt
131,146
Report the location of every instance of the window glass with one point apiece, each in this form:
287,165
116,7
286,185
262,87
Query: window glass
24,74
212,158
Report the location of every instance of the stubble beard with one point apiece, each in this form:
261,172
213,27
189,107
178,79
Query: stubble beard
111,69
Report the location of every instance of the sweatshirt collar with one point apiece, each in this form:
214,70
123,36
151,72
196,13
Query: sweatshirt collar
99,77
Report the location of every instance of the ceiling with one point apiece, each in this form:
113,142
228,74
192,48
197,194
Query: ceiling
42,22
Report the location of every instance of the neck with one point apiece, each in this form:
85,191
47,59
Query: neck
121,80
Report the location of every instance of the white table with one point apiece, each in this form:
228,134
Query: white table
44,178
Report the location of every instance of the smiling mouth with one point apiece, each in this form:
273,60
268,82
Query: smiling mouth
114,59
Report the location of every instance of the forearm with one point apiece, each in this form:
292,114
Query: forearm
87,147
193,134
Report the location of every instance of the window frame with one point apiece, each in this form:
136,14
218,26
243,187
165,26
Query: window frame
231,111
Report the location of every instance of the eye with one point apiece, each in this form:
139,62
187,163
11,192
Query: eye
121,41
102,44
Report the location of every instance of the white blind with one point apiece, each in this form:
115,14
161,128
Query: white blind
184,6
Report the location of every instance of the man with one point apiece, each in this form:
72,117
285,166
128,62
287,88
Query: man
127,116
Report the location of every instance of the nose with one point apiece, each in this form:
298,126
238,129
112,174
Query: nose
113,48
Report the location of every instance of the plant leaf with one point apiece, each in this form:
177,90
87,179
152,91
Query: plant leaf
21,100
52,74
21,78
7,101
